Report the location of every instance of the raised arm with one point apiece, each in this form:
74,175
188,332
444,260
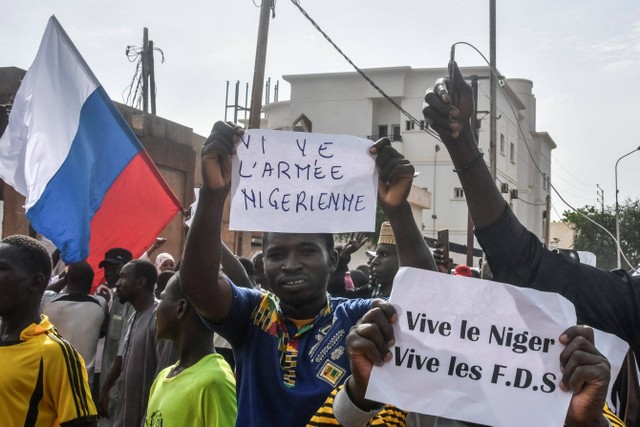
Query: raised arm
452,124
200,271
395,176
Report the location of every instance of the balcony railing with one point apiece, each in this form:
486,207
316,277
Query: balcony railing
391,137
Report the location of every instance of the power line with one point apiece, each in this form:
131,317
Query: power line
531,203
555,161
556,211
362,73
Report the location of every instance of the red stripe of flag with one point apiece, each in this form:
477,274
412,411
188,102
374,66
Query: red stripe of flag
135,210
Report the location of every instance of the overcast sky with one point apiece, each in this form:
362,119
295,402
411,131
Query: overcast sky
582,56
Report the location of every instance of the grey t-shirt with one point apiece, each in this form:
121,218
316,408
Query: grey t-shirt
143,357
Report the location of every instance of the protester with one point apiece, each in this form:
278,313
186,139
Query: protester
200,389
361,286
143,355
384,264
584,371
161,283
441,255
289,346
81,318
607,300
157,244
165,261
43,381
114,260
258,265
250,270
338,281
463,270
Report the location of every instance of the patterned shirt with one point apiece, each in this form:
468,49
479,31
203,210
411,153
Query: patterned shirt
284,374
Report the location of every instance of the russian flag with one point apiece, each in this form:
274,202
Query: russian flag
88,182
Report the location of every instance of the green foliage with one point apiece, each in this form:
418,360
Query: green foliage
592,238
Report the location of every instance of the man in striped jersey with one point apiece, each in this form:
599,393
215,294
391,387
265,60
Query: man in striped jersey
43,380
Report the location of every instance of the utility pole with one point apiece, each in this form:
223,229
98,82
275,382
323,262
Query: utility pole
152,78
474,129
600,197
261,59
145,70
547,224
493,89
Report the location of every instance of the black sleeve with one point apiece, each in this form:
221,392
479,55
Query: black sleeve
607,300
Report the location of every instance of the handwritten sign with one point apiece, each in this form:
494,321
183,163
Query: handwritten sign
303,182
476,351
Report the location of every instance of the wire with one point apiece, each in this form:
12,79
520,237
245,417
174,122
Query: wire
555,161
134,96
556,211
524,139
530,203
362,73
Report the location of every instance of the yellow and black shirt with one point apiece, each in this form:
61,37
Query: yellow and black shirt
43,381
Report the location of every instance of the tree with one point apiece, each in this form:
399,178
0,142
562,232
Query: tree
592,238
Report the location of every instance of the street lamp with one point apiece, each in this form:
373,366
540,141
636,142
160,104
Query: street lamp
619,249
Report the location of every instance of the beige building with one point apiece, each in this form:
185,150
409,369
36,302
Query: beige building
561,236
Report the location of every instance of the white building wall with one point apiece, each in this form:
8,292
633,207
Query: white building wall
344,103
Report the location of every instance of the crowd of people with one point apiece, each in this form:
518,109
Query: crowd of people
288,338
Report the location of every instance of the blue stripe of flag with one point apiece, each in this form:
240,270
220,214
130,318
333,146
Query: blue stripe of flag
101,149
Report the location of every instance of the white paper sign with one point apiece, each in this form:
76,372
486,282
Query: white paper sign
476,351
614,349
303,183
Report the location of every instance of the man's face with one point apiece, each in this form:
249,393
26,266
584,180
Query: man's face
297,267
385,264
166,313
112,273
15,282
127,287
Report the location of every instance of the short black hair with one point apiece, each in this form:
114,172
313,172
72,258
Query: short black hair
163,279
248,266
36,259
258,261
80,276
146,270
327,237
178,287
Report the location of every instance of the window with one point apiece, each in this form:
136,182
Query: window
545,182
458,193
512,152
502,144
396,133
421,124
409,125
383,130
